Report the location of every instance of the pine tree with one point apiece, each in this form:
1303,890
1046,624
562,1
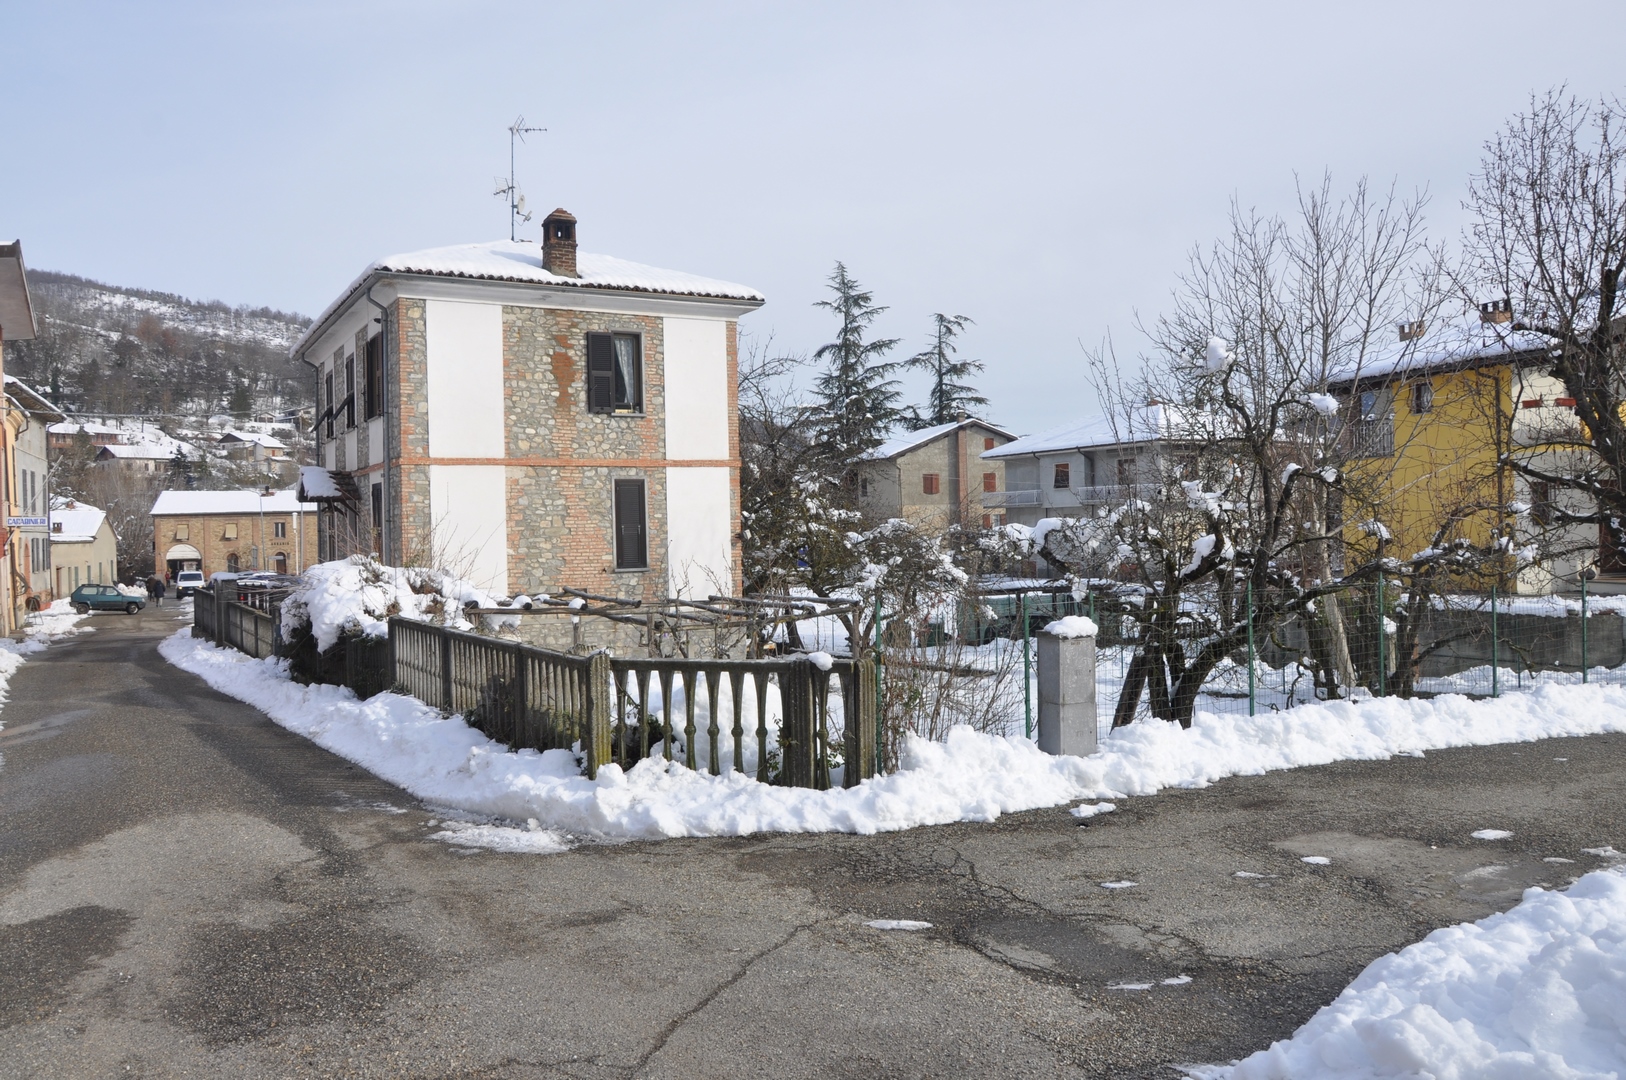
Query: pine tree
951,394
857,397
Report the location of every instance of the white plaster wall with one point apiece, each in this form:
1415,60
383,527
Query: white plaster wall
696,389
464,379
698,528
468,506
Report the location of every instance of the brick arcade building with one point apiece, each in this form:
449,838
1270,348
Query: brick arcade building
533,418
216,531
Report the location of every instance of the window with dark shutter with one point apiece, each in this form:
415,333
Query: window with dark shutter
990,481
375,376
1064,475
350,391
327,392
930,483
601,373
615,373
631,541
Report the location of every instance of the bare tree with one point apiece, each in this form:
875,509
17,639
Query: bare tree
1250,479
1546,252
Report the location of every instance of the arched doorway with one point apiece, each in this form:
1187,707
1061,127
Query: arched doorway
183,557
232,563
280,562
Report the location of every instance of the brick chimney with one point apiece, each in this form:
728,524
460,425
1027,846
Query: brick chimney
559,244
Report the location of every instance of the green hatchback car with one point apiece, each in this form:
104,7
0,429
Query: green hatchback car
88,598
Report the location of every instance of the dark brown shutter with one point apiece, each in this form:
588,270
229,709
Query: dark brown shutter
631,547
601,373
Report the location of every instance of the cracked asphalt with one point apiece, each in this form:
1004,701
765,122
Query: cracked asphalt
188,890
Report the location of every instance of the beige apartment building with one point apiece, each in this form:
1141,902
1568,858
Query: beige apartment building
935,477
232,531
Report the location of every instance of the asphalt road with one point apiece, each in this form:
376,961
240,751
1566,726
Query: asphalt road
188,890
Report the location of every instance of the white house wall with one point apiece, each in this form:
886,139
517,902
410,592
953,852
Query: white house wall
696,387
697,525
468,506
465,379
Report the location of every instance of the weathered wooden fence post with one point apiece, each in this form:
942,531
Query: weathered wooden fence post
798,743
858,700
445,671
596,728
1067,688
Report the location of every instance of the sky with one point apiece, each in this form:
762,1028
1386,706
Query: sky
1042,168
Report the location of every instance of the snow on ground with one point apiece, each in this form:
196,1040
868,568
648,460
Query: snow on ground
1538,991
967,777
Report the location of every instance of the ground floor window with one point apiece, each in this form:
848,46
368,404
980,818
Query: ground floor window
232,563
631,535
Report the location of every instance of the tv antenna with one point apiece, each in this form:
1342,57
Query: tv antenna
508,188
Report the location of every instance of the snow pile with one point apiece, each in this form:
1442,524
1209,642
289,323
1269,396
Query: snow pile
967,777
1071,626
1324,404
359,594
1536,991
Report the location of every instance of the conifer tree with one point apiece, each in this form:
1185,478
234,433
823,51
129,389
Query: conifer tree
951,393
857,396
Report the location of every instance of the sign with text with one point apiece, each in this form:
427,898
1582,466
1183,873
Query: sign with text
27,522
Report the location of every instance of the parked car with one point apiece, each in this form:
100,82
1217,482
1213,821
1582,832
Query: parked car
88,598
188,582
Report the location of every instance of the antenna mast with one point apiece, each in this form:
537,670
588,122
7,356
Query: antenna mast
510,189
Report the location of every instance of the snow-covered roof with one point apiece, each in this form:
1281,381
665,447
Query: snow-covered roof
229,502
80,521
316,482
521,261
1446,344
146,451
89,427
909,440
267,441
31,400
1149,423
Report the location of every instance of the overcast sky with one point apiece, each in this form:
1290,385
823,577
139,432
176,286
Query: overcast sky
1041,168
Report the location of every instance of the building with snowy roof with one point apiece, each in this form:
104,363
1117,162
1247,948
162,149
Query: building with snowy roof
934,476
1433,418
83,549
537,416
1077,468
216,531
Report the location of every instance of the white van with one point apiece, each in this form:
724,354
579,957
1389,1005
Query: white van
188,582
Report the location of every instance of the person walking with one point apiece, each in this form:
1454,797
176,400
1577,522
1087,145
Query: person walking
155,590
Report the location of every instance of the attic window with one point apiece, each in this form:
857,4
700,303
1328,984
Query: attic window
183,532
231,531
988,444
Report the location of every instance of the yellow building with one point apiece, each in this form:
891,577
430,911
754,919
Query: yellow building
1425,434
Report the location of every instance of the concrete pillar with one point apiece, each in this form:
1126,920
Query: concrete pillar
1066,693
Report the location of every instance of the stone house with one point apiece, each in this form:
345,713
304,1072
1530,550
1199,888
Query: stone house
216,531
935,477
533,418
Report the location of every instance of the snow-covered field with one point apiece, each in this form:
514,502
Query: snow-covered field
967,777
1535,992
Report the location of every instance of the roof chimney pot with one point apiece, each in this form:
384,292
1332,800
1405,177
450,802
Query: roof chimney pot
559,244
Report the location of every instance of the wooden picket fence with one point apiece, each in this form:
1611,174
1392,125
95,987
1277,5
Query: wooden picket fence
599,704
